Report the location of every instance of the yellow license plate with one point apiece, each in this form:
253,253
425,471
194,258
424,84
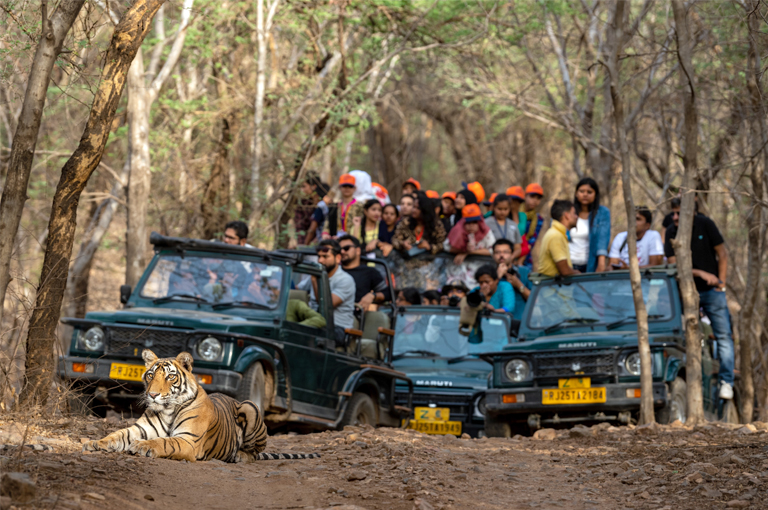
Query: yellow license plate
574,383
432,413
126,372
436,427
582,396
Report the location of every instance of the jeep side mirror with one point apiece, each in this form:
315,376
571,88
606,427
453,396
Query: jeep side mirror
125,293
514,328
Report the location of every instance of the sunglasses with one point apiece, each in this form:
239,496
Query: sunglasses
347,247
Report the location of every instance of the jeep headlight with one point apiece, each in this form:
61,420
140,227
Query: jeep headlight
209,348
480,406
517,370
93,339
632,363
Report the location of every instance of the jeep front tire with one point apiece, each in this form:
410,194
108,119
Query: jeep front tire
253,387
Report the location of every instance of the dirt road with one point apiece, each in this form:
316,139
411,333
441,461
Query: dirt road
600,467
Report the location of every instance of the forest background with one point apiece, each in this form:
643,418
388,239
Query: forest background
229,104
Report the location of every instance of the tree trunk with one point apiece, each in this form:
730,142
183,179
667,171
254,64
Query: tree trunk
126,41
258,116
79,274
53,33
646,375
754,223
682,242
140,177
215,203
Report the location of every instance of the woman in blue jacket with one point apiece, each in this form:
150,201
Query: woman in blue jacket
590,239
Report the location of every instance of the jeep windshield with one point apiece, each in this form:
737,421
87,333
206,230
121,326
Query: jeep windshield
601,302
432,334
219,282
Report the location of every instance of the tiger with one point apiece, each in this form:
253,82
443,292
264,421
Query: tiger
183,422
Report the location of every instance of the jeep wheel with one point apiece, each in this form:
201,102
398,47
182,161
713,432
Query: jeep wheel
497,428
360,411
253,387
676,406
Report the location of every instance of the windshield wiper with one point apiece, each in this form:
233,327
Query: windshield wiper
416,351
184,296
572,320
630,318
244,304
466,357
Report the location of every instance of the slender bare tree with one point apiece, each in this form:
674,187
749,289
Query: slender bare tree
126,41
54,31
682,242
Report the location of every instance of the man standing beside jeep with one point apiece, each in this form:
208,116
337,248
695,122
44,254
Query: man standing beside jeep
710,266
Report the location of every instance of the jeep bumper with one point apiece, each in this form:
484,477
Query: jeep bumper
616,401
222,381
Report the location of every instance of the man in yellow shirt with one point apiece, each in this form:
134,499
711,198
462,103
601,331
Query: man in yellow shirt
554,255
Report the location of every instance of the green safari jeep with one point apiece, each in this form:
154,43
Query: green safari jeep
577,358
239,312
449,377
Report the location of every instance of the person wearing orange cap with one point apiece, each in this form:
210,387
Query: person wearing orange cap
477,189
470,236
411,186
448,210
531,221
348,213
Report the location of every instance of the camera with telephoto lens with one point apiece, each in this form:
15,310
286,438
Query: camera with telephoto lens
470,305
454,301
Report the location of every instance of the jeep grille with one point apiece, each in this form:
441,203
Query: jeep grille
131,341
589,362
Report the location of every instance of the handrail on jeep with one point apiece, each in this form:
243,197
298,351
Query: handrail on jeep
667,269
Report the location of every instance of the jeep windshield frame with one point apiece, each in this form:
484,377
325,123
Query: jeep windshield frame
206,279
593,302
435,329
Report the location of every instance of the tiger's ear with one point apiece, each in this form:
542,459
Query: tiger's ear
149,357
185,360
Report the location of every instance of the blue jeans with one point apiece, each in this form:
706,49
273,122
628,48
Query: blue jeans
715,306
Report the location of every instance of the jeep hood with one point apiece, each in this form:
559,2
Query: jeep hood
438,373
173,318
581,340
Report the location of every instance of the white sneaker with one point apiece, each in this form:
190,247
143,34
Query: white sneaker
726,391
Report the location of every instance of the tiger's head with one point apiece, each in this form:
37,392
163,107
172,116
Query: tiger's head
168,382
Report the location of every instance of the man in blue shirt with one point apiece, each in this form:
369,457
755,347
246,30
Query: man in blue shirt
517,276
499,295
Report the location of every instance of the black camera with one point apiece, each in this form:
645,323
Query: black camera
454,301
513,271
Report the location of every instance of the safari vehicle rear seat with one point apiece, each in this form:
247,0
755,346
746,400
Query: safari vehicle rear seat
375,337
301,295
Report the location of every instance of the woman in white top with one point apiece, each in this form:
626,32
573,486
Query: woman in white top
589,240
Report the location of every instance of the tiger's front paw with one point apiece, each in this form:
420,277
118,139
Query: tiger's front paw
145,449
91,446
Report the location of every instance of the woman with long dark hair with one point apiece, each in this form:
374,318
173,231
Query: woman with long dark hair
389,217
590,239
421,230
368,230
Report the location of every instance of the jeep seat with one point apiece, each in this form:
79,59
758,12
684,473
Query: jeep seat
301,295
372,346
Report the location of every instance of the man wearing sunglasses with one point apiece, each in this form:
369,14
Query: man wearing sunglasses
342,287
369,283
710,266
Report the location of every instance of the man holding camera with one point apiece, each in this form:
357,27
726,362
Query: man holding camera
517,276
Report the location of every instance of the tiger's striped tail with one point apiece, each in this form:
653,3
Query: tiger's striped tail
285,456
35,447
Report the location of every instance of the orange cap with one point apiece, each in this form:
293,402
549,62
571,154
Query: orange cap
450,194
432,194
347,180
471,212
477,189
492,197
534,188
382,188
413,181
516,192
